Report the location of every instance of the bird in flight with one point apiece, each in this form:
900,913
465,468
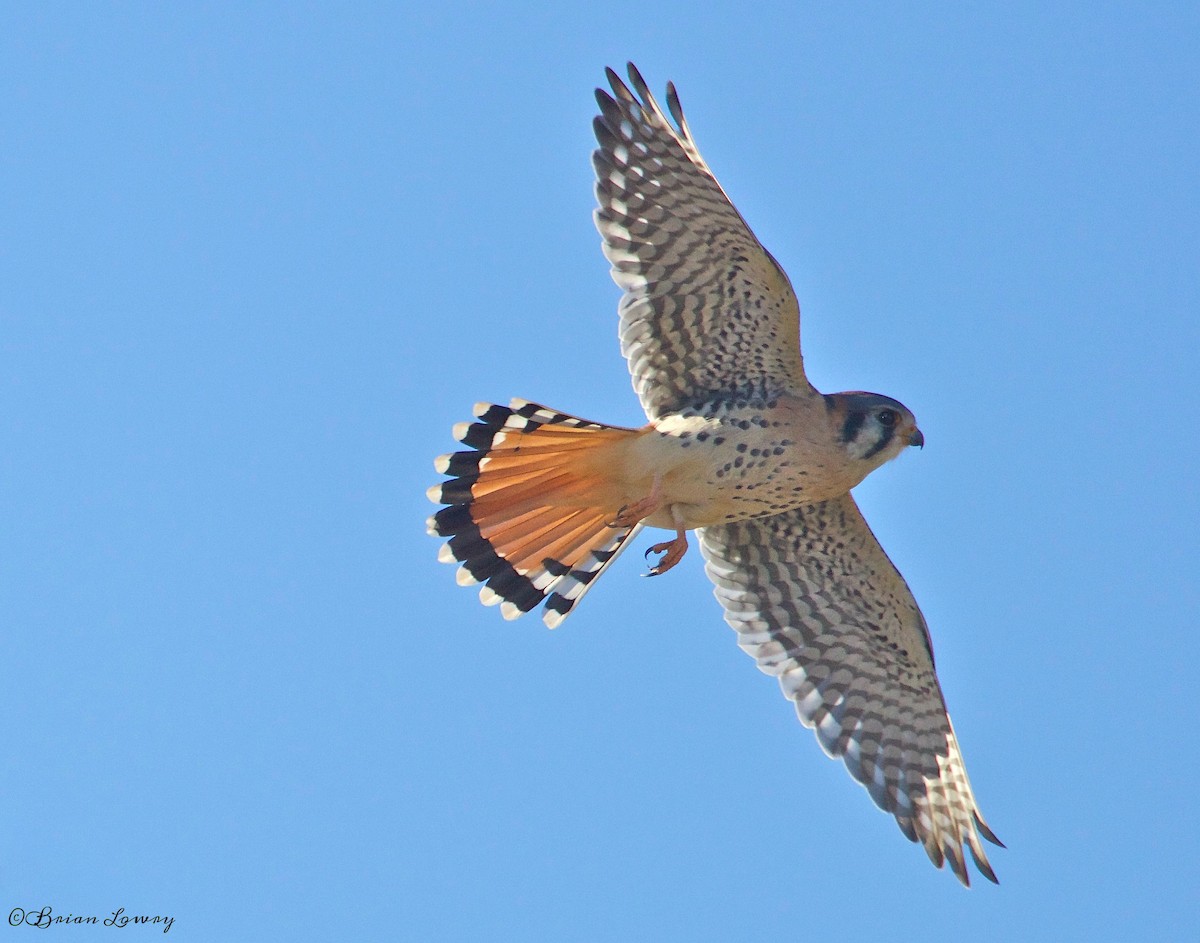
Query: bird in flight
738,446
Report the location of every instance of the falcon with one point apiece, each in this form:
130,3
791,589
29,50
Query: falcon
738,446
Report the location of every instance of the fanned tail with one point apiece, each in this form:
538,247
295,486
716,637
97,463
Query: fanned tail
529,510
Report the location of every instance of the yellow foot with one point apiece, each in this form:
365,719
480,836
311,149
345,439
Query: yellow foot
672,551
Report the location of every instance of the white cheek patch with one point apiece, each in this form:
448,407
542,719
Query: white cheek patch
874,442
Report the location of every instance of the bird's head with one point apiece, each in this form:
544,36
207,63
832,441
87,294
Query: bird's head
873,428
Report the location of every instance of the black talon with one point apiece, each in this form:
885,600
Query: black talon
615,522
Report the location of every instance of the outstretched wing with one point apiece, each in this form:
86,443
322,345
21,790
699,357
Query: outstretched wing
706,308
818,604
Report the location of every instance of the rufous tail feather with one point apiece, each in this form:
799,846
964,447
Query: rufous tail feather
526,512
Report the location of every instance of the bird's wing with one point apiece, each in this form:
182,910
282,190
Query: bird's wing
706,308
818,604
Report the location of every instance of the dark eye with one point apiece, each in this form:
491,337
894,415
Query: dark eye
887,417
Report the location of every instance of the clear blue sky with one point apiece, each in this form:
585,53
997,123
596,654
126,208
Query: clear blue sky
255,261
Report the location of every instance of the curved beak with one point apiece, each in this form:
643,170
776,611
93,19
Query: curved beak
917,438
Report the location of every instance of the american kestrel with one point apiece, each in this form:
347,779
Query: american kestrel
742,448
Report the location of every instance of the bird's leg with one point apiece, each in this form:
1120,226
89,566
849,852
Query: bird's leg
672,550
631,514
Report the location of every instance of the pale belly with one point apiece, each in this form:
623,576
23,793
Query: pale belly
712,470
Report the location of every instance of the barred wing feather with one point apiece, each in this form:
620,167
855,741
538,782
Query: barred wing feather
706,308
818,604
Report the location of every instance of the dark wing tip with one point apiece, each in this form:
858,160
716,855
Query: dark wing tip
605,136
619,88
984,868
638,83
674,107
987,832
958,864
